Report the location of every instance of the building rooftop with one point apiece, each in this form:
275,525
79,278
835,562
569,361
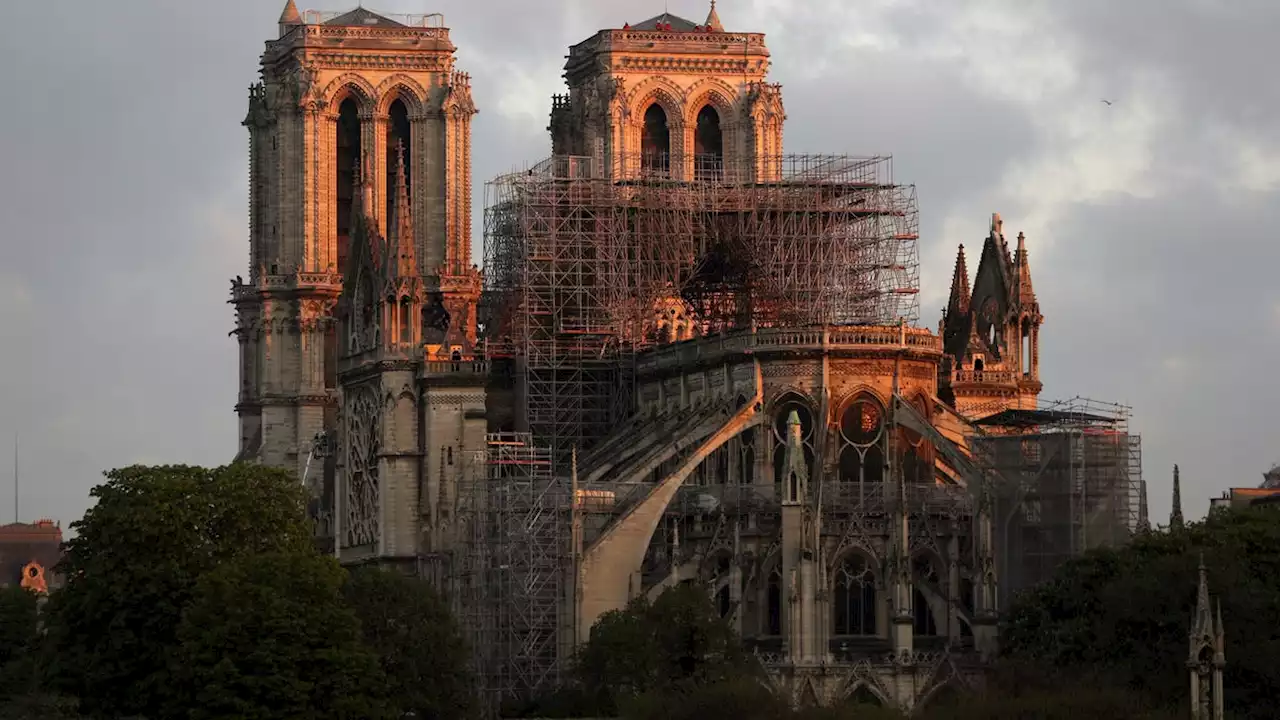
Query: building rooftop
361,17
660,22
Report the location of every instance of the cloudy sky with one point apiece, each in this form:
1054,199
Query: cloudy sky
1151,222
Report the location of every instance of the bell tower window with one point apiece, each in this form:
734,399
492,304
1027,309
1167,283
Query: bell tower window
397,132
708,145
655,141
347,165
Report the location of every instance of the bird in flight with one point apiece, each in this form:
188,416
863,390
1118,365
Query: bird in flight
1106,102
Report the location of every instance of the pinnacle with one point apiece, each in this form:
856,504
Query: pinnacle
1175,515
290,15
713,19
960,293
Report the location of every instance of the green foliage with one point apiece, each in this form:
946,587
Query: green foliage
134,565
418,641
1127,612
270,636
677,643
19,618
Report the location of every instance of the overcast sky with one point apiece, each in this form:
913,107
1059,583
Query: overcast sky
1151,223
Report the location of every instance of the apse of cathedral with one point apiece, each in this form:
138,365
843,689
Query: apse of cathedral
690,357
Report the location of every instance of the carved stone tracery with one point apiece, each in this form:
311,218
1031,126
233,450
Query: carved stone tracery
363,419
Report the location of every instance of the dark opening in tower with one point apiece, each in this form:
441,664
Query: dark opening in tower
397,134
348,161
655,140
708,145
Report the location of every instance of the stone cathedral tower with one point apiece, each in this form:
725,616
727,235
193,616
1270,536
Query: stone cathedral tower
673,96
339,94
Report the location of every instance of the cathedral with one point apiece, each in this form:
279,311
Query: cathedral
696,356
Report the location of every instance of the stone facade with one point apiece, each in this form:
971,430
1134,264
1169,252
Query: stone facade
357,323
825,500
671,93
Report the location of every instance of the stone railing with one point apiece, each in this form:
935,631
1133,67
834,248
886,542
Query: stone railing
715,38
689,352
984,376
454,368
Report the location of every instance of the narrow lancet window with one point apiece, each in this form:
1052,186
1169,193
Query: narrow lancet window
655,142
708,145
348,161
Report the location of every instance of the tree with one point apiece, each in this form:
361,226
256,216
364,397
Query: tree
270,636
411,629
1126,612
676,643
134,564
19,640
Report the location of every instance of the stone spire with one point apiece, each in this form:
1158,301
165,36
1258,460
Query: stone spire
960,292
1206,655
794,470
1026,295
713,19
406,264
289,17
1202,626
1144,517
363,227
1175,515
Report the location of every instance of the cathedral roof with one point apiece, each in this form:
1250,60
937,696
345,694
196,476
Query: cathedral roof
677,23
361,17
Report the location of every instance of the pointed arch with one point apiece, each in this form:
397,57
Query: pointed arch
945,694
657,89
351,86
404,88
778,413
714,92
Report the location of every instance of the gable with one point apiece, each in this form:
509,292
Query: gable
361,17
678,24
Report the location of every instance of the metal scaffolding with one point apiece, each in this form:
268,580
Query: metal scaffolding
513,524
1071,481
589,262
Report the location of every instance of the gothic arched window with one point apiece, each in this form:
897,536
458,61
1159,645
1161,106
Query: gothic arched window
347,165
854,601
861,429
655,139
782,410
397,134
708,145
773,604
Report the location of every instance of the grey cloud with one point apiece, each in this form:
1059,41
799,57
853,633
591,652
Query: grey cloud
124,204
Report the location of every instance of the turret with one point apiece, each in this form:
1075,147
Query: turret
713,19
289,18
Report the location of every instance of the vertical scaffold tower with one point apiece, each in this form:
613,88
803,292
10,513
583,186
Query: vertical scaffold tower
514,538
